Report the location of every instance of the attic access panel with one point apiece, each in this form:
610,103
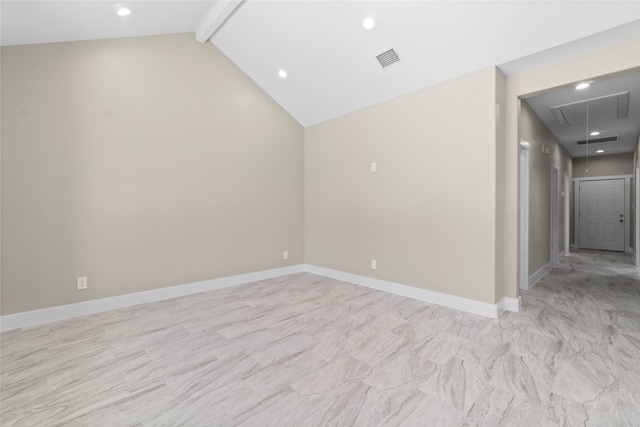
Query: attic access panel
602,109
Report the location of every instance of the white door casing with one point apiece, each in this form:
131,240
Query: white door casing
602,214
555,217
637,216
565,194
523,266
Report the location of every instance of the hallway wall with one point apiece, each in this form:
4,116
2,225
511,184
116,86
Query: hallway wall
614,164
534,131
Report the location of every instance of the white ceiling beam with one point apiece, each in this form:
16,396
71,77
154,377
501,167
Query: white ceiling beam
214,20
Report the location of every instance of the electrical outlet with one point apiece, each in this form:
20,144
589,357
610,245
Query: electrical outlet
374,167
285,255
82,283
374,264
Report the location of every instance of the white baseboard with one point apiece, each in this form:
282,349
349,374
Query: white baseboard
451,301
28,318
538,274
509,304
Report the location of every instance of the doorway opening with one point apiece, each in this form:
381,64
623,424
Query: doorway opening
574,135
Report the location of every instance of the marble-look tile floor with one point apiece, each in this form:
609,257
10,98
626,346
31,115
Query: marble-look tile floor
304,350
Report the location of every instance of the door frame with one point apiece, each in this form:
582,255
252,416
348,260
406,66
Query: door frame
565,194
525,160
555,215
627,207
637,215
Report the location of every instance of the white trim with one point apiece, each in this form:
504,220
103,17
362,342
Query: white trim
627,214
538,274
221,11
510,304
637,215
451,301
28,318
501,307
566,188
523,208
602,178
576,214
35,317
555,215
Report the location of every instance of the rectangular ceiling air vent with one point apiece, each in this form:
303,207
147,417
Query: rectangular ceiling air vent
388,58
598,140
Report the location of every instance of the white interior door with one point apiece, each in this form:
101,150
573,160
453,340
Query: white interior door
602,214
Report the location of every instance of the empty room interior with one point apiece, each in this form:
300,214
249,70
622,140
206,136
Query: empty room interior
314,213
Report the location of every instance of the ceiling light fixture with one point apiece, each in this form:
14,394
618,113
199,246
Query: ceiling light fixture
583,86
369,23
123,11
282,73
600,151
595,133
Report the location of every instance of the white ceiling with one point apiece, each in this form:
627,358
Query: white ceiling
331,61
28,22
329,56
602,115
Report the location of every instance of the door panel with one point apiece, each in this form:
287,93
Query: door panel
602,221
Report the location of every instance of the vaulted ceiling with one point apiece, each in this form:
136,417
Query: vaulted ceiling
329,57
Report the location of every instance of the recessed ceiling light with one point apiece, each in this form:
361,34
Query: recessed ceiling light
594,133
600,151
123,11
583,86
369,23
282,73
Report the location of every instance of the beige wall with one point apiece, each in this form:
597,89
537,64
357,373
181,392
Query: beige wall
618,57
614,164
536,133
140,163
428,215
151,162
